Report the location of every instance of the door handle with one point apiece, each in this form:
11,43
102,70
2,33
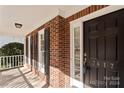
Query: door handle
85,58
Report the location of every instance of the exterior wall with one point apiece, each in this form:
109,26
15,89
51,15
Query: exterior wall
59,47
85,12
57,36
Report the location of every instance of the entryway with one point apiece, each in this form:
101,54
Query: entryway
102,41
96,51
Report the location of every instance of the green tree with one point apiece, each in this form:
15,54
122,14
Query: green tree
13,48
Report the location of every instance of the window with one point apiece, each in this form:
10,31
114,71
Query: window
77,53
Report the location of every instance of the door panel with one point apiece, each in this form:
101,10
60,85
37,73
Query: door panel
111,47
101,62
93,69
111,52
121,49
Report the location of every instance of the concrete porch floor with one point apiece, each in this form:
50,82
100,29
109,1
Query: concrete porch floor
20,78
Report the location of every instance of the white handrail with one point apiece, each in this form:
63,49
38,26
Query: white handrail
7,62
11,56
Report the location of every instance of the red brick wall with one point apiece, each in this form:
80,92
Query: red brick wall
57,30
85,11
60,46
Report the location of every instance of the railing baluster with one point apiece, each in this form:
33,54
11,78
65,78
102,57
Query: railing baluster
6,62
3,62
22,60
10,62
13,60
0,62
17,60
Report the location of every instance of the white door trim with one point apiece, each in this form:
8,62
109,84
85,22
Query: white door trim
79,22
25,57
74,82
98,13
39,51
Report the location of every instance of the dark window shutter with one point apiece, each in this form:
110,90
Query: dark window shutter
47,50
31,49
36,51
27,44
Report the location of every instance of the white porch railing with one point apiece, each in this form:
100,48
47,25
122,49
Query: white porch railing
7,62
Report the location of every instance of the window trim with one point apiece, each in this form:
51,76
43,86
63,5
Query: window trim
42,69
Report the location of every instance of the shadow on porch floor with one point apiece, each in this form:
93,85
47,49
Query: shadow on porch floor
20,78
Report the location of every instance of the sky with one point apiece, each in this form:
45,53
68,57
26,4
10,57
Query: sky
8,39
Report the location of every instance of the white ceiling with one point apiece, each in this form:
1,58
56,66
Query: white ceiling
30,17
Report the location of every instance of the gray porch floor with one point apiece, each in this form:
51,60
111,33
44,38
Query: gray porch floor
20,78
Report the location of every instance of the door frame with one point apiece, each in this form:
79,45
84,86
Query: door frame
39,48
79,22
74,82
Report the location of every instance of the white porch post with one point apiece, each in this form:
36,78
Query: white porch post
25,52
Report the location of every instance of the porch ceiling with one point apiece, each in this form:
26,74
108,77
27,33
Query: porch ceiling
30,17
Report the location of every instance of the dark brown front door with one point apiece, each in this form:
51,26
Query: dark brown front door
103,41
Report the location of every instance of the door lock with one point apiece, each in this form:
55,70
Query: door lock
112,65
85,59
98,64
